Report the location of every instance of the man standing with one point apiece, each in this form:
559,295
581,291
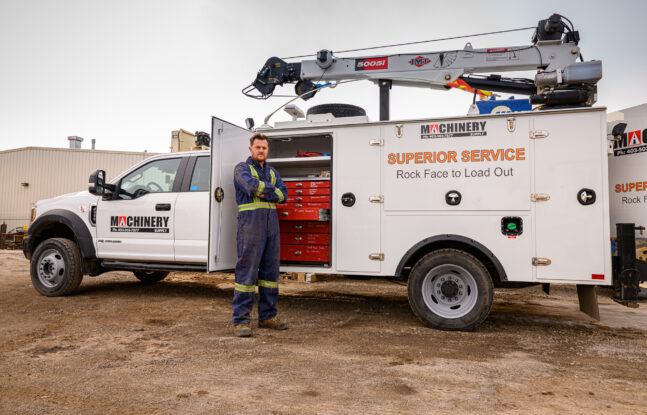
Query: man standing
258,188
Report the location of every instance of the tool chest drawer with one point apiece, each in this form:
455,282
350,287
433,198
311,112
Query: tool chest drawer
304,227
305,253
309,184
305,239
308,199
320,191
308,205
290,213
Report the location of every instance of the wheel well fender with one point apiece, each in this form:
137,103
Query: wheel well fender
463,243
59,223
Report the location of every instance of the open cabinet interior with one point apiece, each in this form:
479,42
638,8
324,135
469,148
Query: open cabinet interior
305,165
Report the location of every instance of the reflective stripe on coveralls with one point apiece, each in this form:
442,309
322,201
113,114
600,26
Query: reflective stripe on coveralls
258,204
244,288
268,284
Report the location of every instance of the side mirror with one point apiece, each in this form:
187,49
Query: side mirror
97,183
618,130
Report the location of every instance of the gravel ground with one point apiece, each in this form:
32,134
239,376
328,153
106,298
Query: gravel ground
120,347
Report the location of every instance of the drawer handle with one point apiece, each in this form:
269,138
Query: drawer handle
299,184
298,238
299,205
298,227
299,191
299,199
284,213
297,253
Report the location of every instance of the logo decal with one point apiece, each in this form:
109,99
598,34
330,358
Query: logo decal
419,61
453,129
372,64
149,224
630,143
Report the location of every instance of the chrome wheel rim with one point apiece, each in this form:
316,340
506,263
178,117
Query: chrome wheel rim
449,291
51,268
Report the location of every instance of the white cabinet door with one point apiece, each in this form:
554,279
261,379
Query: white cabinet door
574,237
229,146
356,170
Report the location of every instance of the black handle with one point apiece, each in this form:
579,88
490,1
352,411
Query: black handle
163,206
348,199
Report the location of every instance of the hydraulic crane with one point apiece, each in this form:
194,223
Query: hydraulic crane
560,81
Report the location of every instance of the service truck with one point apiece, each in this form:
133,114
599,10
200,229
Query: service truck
452,205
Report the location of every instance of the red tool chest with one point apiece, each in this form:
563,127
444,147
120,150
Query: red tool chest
304,221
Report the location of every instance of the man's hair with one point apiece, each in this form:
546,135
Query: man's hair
257,136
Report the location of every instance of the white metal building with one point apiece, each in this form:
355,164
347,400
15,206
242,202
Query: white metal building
30,174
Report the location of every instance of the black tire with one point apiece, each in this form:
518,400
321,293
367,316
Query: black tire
337,110
450,289
150,277
56,267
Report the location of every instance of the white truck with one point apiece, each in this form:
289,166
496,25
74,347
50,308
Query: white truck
453,205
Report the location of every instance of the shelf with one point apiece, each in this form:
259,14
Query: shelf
322,161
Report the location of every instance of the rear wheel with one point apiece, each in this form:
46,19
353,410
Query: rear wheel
56,267
450,289
150,277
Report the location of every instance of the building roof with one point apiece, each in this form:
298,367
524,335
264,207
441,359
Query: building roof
77,150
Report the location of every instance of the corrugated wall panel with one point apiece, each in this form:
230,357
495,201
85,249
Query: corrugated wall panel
51,172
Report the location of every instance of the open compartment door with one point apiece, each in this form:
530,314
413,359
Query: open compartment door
229,146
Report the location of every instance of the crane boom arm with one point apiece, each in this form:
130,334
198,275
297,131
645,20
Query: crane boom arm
553,53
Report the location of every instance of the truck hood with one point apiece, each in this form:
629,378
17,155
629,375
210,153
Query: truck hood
67,201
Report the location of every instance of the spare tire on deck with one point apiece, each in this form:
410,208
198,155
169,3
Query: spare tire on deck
337,110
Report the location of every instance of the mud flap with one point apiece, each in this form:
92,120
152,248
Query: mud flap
588,301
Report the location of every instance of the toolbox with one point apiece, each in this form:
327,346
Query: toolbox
304,221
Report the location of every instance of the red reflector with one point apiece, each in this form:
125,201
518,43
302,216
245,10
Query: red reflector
597,276
497,50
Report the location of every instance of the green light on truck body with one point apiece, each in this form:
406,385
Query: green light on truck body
512,226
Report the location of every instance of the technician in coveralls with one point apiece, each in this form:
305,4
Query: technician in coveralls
258,188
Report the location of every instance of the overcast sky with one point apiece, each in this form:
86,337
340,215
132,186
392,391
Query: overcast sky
127,72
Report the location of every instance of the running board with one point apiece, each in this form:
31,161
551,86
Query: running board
149,266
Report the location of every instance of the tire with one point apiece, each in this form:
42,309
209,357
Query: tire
337,110
450,289
150,277
56,267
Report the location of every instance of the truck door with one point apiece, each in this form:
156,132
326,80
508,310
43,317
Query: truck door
229,146
139,226
570,156
357,172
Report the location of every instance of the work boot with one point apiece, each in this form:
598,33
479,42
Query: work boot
273,323
242,330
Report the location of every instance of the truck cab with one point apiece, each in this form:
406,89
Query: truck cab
149,217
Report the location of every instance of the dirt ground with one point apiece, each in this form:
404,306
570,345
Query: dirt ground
119,347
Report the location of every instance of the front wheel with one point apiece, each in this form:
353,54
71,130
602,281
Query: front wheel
150,277
450,289
56,267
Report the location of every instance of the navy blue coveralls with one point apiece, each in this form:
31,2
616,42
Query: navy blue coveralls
258,241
